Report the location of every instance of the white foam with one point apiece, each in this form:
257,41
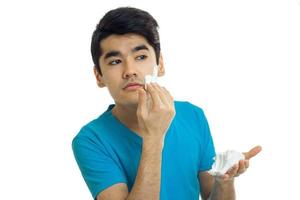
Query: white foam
153,77
224,161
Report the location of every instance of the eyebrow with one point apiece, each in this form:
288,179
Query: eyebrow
140,47
118,53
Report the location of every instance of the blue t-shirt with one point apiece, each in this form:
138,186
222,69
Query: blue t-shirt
107,152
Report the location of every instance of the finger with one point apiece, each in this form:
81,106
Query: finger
168,95
242,167
253,152
154,95
142,103
170,99
233,171
223,177
161,94
246,163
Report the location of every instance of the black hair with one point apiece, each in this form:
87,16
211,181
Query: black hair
121,21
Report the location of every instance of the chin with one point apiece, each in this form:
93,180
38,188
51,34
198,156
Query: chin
129,100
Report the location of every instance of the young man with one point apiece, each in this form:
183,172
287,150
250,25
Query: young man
146,145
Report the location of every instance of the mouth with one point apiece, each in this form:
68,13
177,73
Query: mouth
133,86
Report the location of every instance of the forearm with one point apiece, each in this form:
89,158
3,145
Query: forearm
147,182
223,191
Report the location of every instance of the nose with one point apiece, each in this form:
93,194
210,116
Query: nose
129,71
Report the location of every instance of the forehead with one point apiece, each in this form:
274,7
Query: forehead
123,43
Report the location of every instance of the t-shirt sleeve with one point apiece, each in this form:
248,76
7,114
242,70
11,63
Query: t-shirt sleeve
98,169
207,150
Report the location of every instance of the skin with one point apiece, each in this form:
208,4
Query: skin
149,114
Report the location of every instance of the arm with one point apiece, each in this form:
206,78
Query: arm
154,120
213,189
147,183
223,190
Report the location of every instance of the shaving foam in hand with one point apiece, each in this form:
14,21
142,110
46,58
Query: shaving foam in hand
224,161
153,77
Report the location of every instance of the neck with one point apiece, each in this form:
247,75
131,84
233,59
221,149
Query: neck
126,115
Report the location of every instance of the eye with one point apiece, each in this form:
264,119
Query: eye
141,57
114,62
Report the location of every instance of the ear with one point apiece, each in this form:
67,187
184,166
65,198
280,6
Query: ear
99,78
161,68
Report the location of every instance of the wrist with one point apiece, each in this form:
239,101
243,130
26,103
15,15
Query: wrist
153,142
224,183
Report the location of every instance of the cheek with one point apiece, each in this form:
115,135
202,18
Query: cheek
146,67
113,85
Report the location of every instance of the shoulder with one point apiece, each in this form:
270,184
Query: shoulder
186,104
91,133
187,108
191,117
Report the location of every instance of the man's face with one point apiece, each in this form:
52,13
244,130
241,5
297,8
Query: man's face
125,59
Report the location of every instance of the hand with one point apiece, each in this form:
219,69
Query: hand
241,167
156,113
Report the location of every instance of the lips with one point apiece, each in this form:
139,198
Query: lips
132,85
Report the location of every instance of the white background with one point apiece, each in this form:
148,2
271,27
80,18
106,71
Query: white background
239,60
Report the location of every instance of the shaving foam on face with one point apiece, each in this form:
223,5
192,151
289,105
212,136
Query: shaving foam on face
224,161
153,77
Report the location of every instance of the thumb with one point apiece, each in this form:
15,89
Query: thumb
142,103
253,152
